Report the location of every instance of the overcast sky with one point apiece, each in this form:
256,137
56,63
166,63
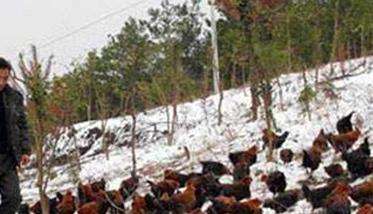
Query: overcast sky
25,22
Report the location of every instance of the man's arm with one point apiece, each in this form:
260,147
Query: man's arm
23,126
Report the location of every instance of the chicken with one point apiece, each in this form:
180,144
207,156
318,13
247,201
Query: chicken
128,186
248,156
239,189
335,170
338,202
312,158
176,176
318,196
321,141
221,204
98,185
342,142
214,167
67,204
241,170
270,136
52,202
344,125
366,209
99,206
358,160
186,199
276,181
166,186
283,201
286,155
139,205
224,204
251,206
363,193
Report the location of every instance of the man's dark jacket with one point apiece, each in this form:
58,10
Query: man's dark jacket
16,124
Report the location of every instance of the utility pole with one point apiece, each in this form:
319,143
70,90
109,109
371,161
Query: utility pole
215,59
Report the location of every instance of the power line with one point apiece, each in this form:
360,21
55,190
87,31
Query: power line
88,25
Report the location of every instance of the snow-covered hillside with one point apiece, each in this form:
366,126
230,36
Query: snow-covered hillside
197,129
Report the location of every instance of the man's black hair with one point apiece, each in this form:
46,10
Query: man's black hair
4,64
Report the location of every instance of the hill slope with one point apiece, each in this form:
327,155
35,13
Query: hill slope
197,129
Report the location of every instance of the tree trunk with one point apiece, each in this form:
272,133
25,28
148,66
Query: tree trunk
221,97
307,103
133,145
173,123
267,100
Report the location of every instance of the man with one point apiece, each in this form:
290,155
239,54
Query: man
14,141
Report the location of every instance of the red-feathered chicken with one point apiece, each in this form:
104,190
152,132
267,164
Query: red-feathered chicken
338,201
276,182
186,200
335,170
248,156
342,142
312,158
318,196
366,209
321,141
128,186
166,186
277,140
286,155
170,174
363,193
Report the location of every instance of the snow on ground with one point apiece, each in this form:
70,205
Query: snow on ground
197,129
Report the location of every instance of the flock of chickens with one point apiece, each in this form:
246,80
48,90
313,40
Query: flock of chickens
188,193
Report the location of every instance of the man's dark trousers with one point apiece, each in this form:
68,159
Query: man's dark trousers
9,186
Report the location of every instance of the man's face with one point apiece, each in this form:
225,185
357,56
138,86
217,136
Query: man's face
4,75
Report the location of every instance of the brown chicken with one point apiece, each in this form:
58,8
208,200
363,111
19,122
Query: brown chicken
229,205
105,201
248,156
128,186
169,174
283,201
186,199
335,170
239,189
312,158
277,140
342,142
67,204
276,181
338,201
52,202
241,170
221,204
366,209
251,206
363,193
321,141
214,167
139,205
318,196
286,155
166,186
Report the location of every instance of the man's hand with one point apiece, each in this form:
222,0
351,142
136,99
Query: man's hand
25,159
